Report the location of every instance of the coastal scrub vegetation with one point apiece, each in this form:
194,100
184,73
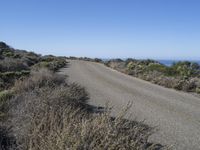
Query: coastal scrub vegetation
41,110
183,75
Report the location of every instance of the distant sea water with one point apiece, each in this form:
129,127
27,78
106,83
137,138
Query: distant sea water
167,62
170,62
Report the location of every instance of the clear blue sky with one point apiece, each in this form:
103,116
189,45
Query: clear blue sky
161,29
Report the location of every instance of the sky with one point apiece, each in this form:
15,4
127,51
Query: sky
157,29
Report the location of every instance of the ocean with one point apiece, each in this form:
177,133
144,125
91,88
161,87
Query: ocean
164,61
170,62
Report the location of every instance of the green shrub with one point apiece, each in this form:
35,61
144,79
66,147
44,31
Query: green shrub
198,90
156,67
40,65
147,62
7,79
53,65
11,64
186,69
181,75
48,58
14,75
17,56
4,97
131,65
8,54
128,60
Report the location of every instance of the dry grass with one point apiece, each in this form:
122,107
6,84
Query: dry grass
47,114
38,79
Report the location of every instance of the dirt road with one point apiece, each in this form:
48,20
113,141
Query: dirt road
175,114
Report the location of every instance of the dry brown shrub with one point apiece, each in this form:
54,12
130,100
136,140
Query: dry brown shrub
47,113
46,117
38,79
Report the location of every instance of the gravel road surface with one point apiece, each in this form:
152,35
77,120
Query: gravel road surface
175,114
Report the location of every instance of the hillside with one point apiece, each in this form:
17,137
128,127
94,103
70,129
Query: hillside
41,110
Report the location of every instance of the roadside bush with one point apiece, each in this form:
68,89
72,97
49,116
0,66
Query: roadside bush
198,90
117,64
71,129
48,58
39,79
131,65
11,64
51,63
85,59
198,86
179,85
2,84
189,85
98,60
4,97
7,52
186,69
7,79
30,58
48,113
51,118
38,96
169,82
40,65
183,76
128,60
156,67
17,74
